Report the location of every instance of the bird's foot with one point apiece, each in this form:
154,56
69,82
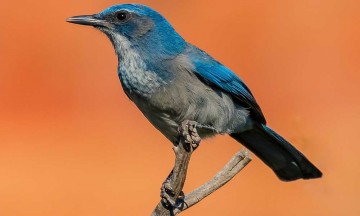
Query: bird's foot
167,194
188,132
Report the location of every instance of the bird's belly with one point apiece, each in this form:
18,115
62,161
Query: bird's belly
196,102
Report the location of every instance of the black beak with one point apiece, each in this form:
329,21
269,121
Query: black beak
90,20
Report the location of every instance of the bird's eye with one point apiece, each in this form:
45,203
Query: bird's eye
122,16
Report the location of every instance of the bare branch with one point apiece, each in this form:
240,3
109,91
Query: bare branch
233,167
173,200
174,183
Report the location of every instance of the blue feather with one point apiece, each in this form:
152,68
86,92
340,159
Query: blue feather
213,72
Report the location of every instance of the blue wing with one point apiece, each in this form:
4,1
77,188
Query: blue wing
214,73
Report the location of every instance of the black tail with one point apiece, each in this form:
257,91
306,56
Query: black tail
284,159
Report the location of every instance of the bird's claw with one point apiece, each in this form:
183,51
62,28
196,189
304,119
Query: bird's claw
167,195
190,135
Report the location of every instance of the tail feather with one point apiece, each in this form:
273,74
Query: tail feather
284,159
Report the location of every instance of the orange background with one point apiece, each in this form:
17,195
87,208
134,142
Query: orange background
73,144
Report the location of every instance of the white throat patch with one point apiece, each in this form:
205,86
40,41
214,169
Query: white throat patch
132,69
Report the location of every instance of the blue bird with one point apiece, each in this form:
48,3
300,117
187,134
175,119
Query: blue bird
171,80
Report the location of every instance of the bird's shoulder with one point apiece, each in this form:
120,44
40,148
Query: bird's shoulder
215,74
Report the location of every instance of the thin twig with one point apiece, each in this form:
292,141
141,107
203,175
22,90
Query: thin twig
176,179
233,167
175,201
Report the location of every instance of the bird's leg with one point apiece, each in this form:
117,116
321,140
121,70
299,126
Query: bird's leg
208,128
171,189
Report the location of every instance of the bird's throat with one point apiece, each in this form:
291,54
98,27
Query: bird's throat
133,71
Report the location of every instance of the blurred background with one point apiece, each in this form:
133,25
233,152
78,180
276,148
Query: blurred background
73,144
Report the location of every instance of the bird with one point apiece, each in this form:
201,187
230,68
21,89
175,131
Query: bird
170,81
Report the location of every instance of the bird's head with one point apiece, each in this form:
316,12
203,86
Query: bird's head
136,26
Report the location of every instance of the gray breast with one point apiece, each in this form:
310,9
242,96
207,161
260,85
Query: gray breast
187,98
